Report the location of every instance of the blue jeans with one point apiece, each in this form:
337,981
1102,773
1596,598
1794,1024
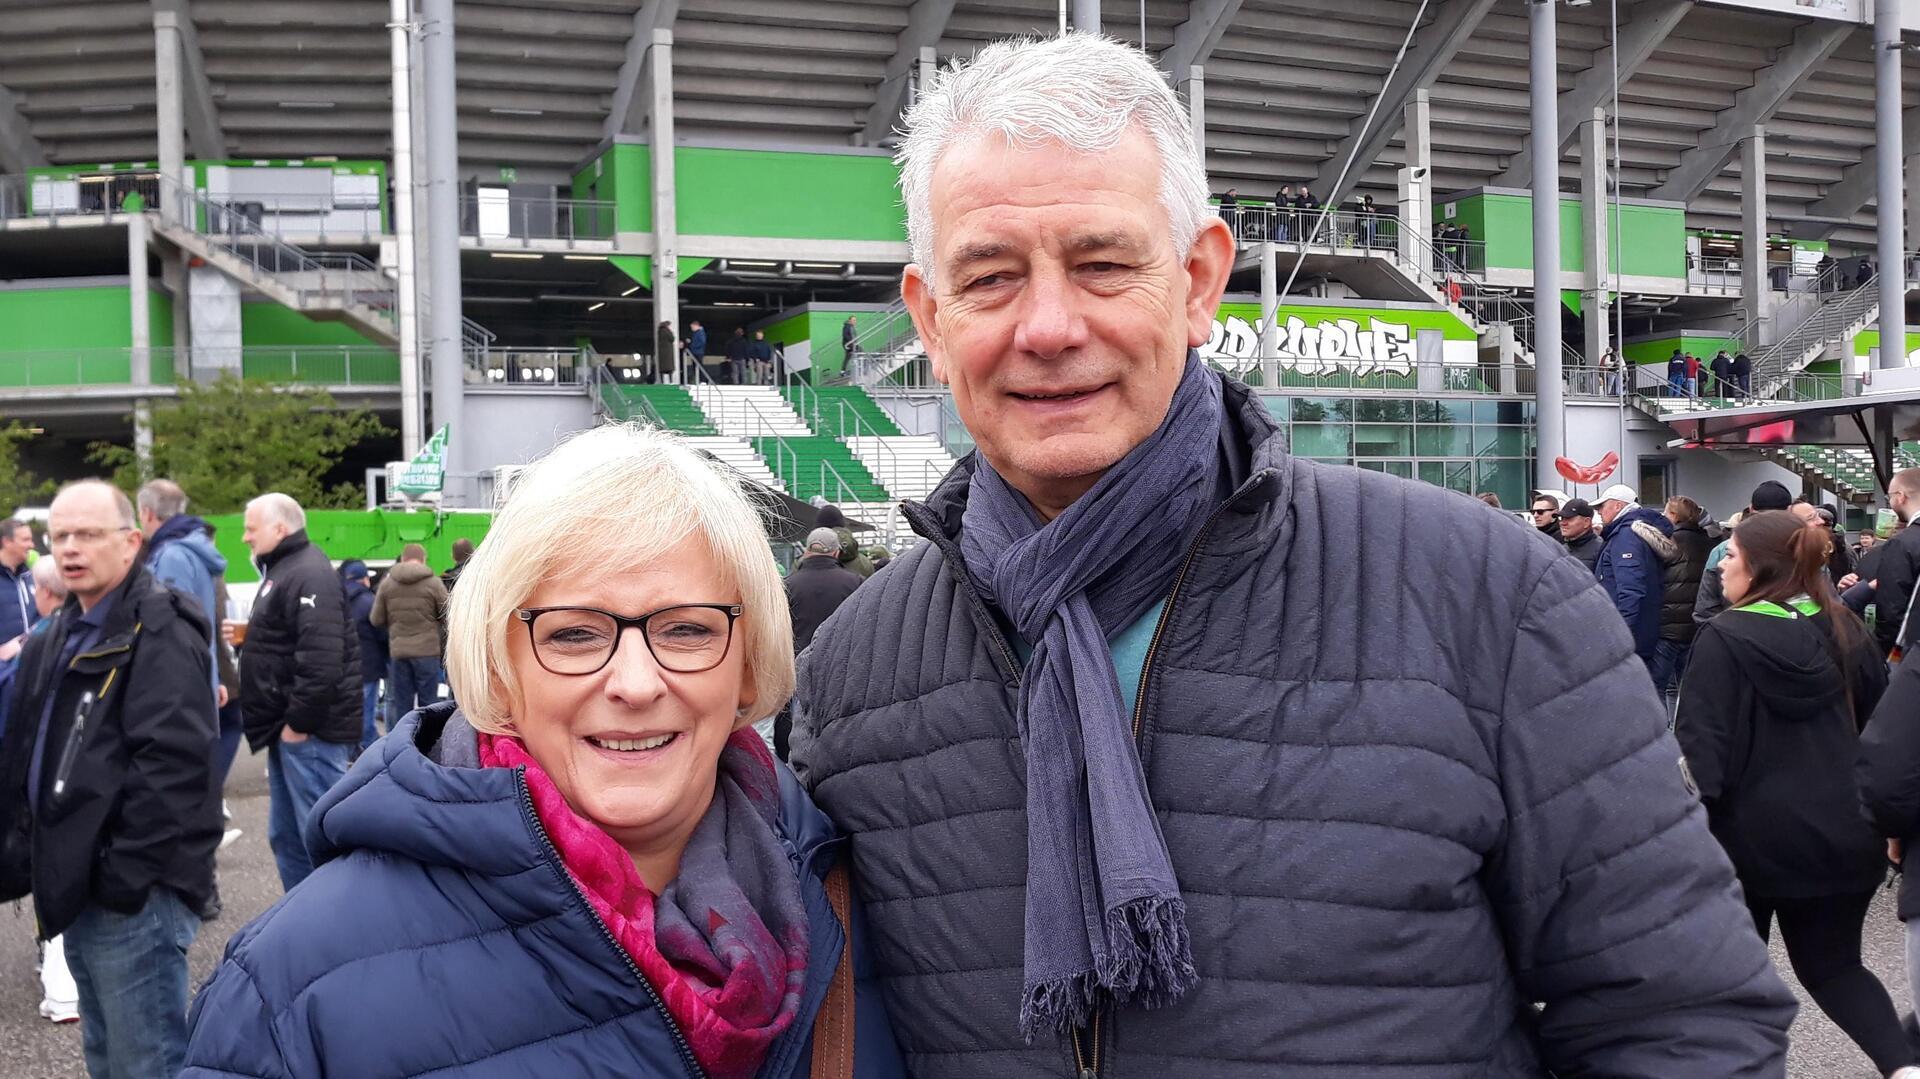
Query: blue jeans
369,709
414,683
131,970
1676,385
298,773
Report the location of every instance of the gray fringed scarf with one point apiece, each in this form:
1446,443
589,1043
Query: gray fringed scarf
1105,923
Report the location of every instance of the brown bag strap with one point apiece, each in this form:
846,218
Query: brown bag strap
833,1027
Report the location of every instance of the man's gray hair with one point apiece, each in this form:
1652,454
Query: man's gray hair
46,574
1082,92
162,498
282,508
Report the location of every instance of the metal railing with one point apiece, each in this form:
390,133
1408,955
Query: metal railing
533,367
929,474
1417,378
69,369
1343,230
536,219
1829,324
786,463
1799,290
329,283
878,350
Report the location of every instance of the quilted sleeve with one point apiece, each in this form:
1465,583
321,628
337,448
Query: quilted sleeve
230,1030
1618,907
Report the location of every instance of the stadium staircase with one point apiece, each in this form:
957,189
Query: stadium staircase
330,286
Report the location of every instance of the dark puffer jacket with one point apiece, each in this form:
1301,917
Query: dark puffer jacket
1686,559
1392,833
491,965
1888,772
300,665
1633,574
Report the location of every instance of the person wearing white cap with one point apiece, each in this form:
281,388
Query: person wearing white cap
1629,568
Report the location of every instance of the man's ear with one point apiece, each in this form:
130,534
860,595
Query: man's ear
924,308
1209,264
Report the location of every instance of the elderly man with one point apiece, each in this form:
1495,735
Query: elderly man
1631,569
1130,791
108,812
181,554
299,675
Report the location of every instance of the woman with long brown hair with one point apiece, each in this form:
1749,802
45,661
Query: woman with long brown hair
1771,708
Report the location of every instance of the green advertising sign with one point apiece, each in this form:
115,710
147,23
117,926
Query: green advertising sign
428,469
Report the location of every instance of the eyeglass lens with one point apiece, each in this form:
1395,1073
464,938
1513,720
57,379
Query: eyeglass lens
685,640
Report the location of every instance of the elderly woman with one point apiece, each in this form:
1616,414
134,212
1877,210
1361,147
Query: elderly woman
591,865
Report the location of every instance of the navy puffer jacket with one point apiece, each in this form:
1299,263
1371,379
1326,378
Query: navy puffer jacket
441,935
1633,574
1367,727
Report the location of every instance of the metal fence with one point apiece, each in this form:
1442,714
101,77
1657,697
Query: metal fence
491,218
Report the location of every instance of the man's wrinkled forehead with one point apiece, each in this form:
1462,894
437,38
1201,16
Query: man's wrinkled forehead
990,196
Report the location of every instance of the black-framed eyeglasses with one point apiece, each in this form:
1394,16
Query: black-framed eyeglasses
685,639
1538,510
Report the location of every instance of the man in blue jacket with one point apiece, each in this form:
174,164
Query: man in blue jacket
373,646
1629,568
17,615
181,555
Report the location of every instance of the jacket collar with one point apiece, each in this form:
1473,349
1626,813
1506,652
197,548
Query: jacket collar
177,527
293,544
122,607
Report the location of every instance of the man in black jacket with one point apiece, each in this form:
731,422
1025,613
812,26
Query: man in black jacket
1899,566
108,812
816,588
299,675
1578,533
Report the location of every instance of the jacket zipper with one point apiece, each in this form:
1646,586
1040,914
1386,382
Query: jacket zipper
1088,1064
76,736
553,853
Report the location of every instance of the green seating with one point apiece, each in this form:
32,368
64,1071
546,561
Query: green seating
837,408
670,405
799,467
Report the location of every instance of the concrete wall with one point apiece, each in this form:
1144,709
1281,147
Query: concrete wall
521,423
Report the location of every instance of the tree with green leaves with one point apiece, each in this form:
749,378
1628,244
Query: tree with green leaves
226,441
18,487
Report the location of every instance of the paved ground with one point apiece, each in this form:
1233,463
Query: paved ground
32,1048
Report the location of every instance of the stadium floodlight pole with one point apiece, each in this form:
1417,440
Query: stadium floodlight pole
406,289
1549,395
1063,18
1890,209
443,237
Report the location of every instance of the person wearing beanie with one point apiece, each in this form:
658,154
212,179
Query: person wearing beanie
1770,495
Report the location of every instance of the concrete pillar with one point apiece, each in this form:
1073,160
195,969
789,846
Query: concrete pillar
1754,291
929,67
171,110
406,294
443,240
1890,210
666,228
1416,187
423,282
1596,296
140,356
1269,316
1549,393
1197,108
1086,16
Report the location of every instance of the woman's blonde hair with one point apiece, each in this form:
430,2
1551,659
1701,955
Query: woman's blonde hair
605,500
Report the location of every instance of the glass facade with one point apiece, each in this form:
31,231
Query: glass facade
1471,446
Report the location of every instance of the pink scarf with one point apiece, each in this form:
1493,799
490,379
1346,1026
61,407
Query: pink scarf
725,944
